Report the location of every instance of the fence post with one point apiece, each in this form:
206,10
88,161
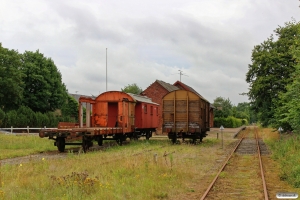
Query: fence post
11,129
27,129
44,127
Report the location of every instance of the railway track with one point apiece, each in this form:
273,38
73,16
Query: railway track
242,174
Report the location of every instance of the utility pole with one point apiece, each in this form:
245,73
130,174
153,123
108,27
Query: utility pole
106,69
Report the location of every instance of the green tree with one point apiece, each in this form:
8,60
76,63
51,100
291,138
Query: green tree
11,83
243,111
132,88
287,113
270,71
223,107
70,108
43,90
2,117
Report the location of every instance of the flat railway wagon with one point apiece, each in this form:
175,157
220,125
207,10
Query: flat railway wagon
185,115
113,115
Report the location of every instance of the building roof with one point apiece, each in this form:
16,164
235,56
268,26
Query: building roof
141,98
167,86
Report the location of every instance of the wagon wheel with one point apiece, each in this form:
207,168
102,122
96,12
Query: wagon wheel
194,139
60,143
201,138
147,135
100,140
174,138
135,137
119,141
86,144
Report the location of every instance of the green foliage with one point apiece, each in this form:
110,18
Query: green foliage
2,116
24,117
31,89
273,62
11,83
70,108
231,116
43,90
132,88
287,113
229,122
287,153
223,107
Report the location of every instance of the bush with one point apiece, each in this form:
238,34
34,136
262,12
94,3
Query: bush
10,118
24,117
229,122
2,116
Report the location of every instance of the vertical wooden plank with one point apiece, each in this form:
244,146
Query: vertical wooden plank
174,106
88,114
187,112
80,115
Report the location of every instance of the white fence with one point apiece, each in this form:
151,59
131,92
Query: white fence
26,130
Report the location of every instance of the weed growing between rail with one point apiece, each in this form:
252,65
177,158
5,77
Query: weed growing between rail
286,151
142,170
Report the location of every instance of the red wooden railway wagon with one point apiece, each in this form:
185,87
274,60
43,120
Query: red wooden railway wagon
185,115
112,115
146,116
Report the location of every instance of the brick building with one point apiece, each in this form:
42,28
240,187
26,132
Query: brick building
157,90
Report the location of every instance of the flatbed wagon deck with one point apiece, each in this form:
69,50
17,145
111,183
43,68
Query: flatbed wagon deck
86,134
77,132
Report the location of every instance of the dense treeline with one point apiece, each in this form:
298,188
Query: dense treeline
274,77
32,92
231,116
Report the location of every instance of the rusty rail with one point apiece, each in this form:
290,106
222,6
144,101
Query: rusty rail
225,163
216,177
261,167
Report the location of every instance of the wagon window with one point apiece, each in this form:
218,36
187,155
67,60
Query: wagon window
145,109
156,111
151,110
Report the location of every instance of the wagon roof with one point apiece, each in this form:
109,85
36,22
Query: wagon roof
140,98
183,86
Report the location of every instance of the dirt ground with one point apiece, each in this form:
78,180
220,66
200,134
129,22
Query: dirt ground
202,181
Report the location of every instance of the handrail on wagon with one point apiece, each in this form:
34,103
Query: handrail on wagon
27,128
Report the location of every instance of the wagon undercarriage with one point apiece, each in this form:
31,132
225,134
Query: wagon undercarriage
174,136
63,137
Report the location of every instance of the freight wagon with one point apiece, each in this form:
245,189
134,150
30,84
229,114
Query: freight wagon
112,115
185,115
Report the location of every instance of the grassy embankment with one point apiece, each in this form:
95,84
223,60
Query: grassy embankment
286,151
123,172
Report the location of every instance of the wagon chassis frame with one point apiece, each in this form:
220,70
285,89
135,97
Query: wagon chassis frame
87,134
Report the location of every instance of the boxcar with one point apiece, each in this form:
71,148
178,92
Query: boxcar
113,115
146,116
185,115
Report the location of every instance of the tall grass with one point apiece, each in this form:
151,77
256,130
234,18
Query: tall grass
14,146
286,150
142,170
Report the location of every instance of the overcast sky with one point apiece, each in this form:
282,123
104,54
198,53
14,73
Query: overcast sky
209,40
